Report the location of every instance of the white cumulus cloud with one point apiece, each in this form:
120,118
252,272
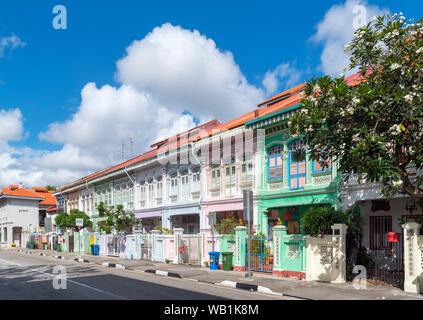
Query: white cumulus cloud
285,73
12,42
184,70
337,29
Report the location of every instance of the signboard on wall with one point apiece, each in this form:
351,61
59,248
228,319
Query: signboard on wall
248,205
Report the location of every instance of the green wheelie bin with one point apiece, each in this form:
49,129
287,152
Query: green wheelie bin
227,261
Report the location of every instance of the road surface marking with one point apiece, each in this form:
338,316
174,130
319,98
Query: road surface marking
71,281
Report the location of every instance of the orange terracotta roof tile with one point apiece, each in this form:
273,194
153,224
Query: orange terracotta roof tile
40,189
164,145
286,92
139,158
190,132
21,192
50,199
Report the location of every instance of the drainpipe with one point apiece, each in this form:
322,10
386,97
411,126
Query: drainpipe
129,177
133,186
89,192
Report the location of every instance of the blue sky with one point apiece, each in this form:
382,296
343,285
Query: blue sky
44,76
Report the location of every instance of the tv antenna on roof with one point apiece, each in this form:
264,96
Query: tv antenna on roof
131,143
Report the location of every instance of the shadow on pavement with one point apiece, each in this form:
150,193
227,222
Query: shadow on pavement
18,283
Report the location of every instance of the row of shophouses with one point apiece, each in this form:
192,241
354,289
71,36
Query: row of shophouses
183,179
205,170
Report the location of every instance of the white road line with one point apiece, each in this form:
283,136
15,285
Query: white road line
71,281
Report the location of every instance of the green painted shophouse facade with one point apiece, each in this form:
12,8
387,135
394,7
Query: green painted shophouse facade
286,189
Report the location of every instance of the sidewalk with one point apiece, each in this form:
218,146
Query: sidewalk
287,286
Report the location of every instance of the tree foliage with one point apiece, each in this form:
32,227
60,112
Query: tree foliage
374,128
64,220
318,221
227,225
117,219
51,188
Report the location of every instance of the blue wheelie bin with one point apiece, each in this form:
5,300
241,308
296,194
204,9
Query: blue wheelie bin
214,260
96,249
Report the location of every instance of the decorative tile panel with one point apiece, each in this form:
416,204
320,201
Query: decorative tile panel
292,251
277,250
326,254
275,186
238,249
321,180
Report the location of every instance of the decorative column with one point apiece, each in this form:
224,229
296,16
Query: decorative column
137,244
412,257
177,243
279,232
339,262
240,254
204,255
263,221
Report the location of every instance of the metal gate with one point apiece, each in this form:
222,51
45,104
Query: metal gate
146,246
387,266
113,245
191,249
55,240
71,243
259,255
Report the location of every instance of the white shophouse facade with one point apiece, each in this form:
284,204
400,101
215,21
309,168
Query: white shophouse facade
18,215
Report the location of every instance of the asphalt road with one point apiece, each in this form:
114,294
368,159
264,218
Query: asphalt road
33,277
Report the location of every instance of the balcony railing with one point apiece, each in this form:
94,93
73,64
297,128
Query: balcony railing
215,185
195,188
173,192
246,180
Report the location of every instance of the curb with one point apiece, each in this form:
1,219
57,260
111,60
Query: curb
164,273
113,265
247,286
80,260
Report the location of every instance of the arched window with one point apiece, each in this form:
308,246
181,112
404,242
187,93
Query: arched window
275,162
297,170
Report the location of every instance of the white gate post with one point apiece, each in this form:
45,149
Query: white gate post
412,257
137,244
339,263
154,234
203,246
178,235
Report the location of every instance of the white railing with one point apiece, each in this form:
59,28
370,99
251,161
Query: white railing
246,179
195,188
